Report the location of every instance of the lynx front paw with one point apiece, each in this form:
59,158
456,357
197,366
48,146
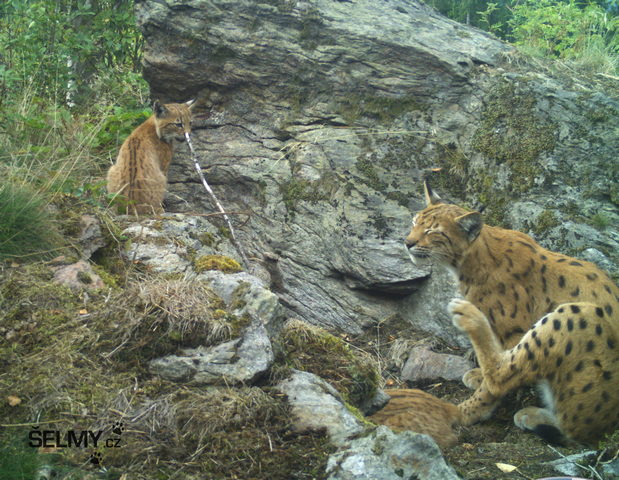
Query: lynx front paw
466,316
473,378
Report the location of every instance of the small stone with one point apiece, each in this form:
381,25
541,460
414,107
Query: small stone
424,364
78,276
90,239
386,455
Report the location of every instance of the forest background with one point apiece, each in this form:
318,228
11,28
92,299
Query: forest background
71,90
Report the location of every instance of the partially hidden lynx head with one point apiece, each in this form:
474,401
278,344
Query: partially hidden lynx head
442,232
173,120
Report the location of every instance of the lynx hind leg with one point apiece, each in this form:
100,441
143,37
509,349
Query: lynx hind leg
542,422
473,378
148,194
418,411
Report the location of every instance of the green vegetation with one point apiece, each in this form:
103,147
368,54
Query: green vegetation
56,49
216,262
26,226
17,462
312,349
585,31
70,92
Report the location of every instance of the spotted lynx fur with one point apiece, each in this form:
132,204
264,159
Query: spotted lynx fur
533,317
141,169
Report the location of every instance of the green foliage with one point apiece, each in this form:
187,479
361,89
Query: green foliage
27,228
479,13
584,31
118,125
564,29
56,150
57,136
55,47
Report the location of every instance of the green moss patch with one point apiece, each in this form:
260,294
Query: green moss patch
294,191
354,374
512,132
216,262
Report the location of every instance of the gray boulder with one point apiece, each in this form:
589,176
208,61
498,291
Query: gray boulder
90,237
321,118
168,243
247,295
386,455
317,406
239,361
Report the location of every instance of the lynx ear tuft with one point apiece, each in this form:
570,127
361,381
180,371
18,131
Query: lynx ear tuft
431,197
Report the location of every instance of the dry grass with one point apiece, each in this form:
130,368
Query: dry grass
78,362
155,316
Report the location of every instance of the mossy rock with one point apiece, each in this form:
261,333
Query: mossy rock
512,131
313,349
216,262
296,190
378,107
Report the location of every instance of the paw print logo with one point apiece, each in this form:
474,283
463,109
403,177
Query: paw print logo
118,428
96,459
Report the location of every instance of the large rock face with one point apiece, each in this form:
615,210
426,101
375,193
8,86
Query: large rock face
321,117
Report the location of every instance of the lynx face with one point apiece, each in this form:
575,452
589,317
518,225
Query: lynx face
443,233
173,120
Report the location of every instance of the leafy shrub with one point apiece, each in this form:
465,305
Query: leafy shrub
56,47
564,30
27,228
584,31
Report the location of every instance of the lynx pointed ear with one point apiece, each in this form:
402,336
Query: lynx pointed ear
191,103
158,108
431,197
471,224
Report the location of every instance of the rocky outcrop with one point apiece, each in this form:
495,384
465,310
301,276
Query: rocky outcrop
242,360
320,119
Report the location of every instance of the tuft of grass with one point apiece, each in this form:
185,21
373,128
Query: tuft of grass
17,462
27,227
